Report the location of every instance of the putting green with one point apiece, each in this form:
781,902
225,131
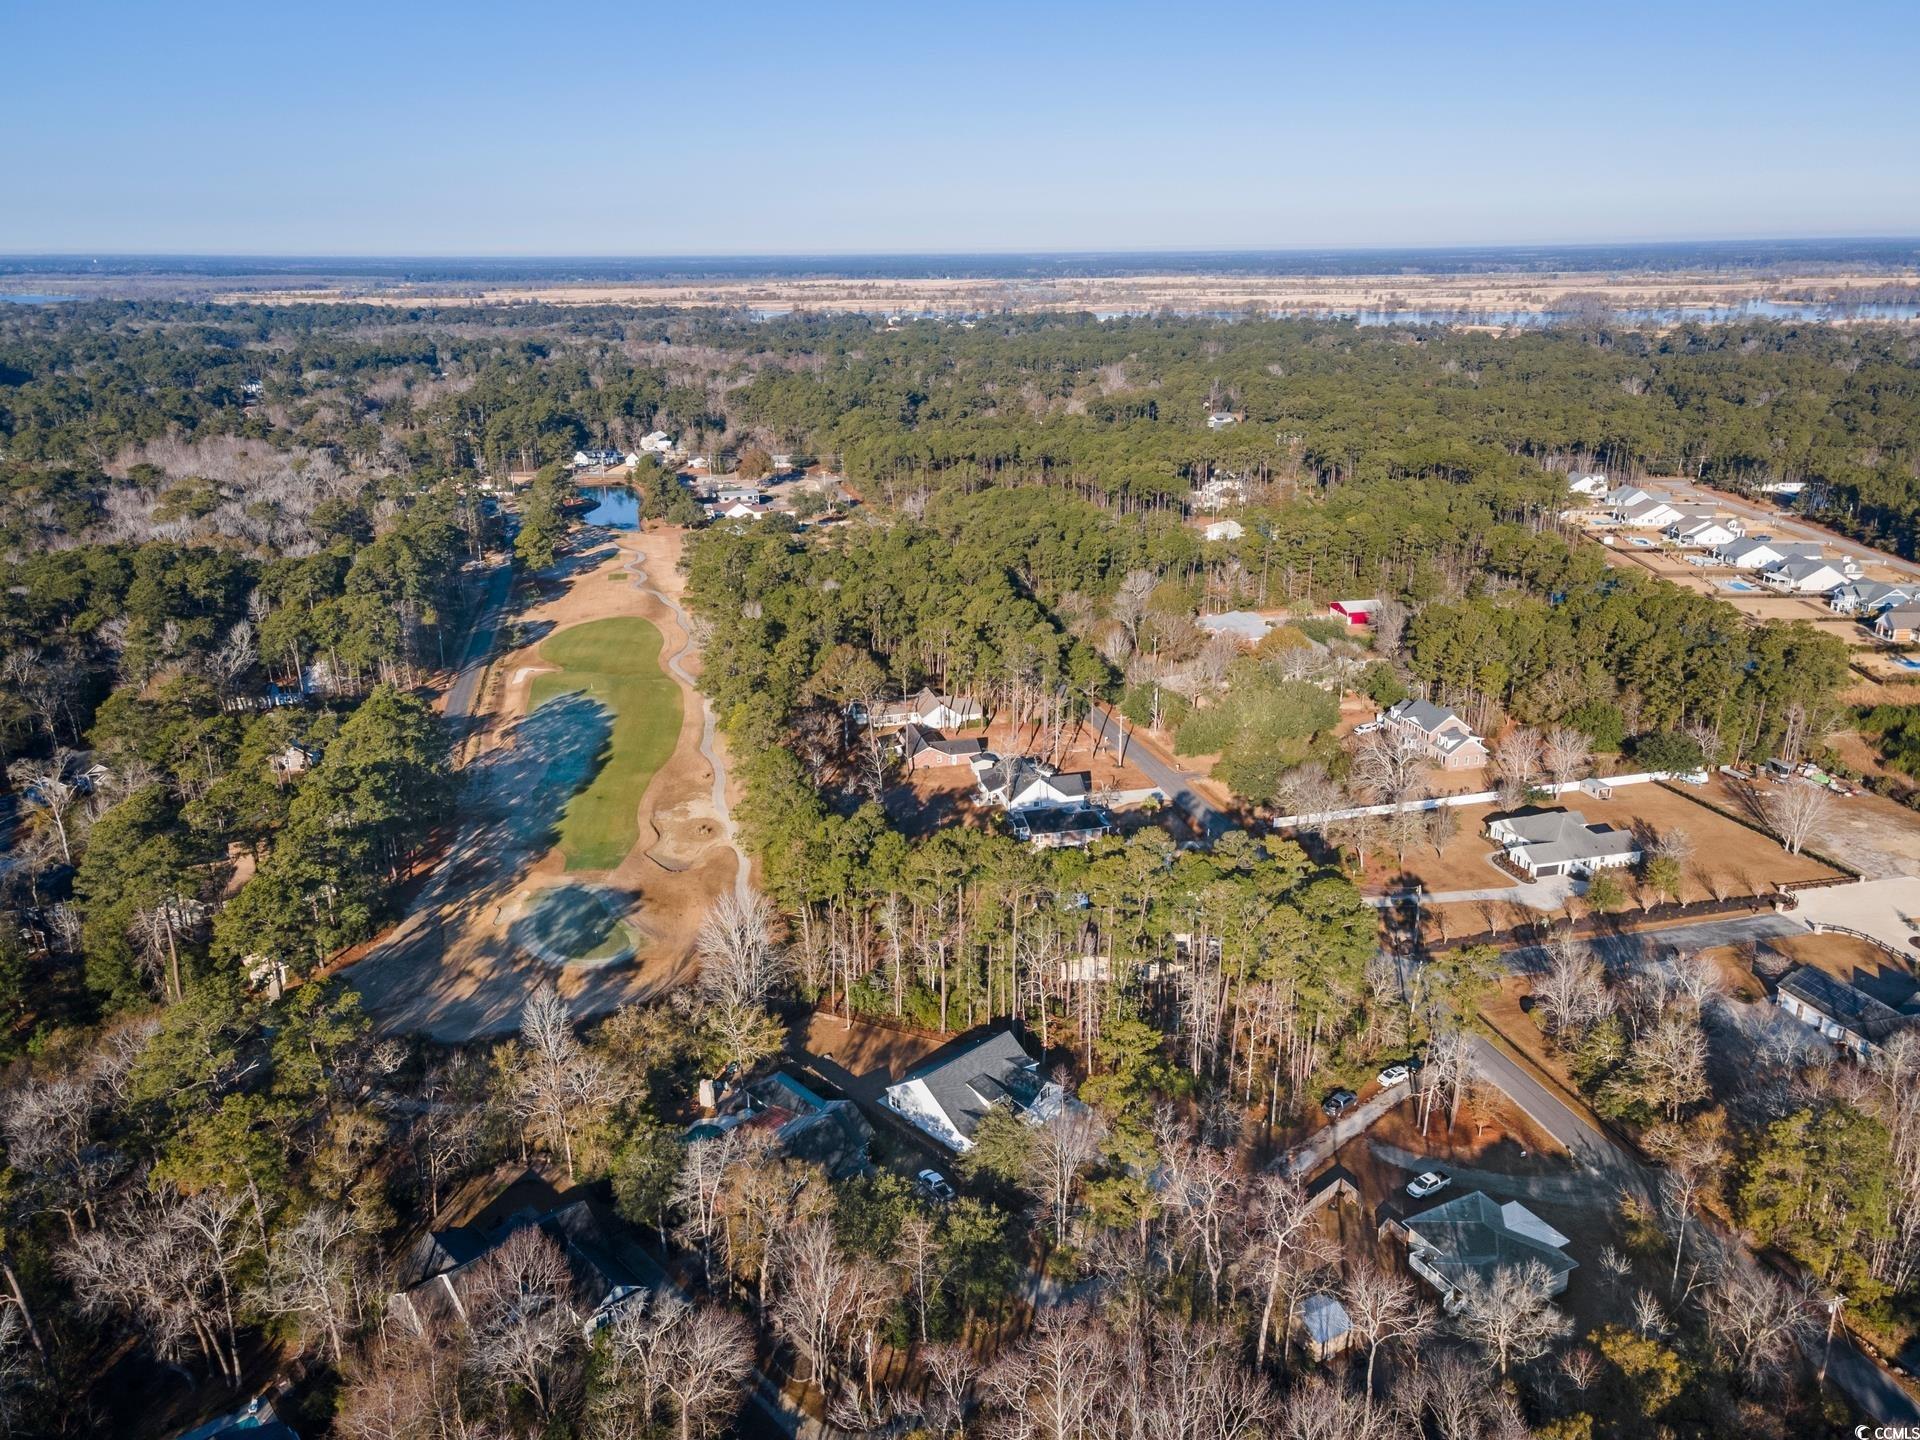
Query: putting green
617,663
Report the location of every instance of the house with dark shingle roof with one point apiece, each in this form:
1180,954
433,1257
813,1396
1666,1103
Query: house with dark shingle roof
949,1096
1842,1013
923,745
438,1274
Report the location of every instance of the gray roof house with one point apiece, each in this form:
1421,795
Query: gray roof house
1842,1013
1019,783
1447,738
1475,1235
1899,624
948,1097
831,1133
1870,597
1560,842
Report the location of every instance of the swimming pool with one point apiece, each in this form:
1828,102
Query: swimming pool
1643,542
1906,662
1739,586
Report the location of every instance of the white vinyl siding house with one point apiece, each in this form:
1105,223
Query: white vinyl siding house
1542,843
1803,576
947,1099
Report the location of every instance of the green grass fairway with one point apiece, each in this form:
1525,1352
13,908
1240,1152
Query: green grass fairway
616,662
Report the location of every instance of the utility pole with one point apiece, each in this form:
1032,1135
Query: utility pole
1833,1320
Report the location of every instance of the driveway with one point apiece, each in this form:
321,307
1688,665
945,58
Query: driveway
1624,950
1175,783
1554,1189
1314,1151
1885,909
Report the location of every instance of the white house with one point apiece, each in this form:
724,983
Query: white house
1023,784
948,1098
1655,512
598,459
1224,530
1560,842
1762,552
1870,597
1899,625
658,442
1694,532
1221,419
1218,493
740,510
1804,575
1594,485
929,709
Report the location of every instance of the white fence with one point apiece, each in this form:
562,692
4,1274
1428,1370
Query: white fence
1596,787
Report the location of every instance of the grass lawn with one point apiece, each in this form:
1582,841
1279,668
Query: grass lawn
616,662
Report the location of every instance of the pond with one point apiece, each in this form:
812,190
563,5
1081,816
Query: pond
614,507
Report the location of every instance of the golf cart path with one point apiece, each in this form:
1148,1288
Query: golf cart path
709,751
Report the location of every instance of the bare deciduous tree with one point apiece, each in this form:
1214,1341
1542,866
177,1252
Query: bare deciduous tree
1517,757
1566,753
560,1087
1511,1317
664,1353
312,1275
1385,1311
1756,1317
1797,811
1572,992
521,1324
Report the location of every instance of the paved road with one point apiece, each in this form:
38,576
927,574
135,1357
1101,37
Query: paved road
1590,1147
465,690
1176,783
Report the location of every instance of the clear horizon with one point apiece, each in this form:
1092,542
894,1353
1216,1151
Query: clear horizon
597,131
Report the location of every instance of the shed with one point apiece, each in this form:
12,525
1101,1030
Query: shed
1325,1327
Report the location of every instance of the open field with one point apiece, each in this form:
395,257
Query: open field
1515,291
617,663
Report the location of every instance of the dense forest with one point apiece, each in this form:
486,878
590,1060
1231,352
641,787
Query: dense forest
240,547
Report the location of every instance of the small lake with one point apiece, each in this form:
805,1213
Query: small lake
614,507
24,298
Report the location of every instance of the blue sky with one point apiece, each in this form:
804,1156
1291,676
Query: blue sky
425,128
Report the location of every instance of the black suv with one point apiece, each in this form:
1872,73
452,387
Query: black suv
1338,1103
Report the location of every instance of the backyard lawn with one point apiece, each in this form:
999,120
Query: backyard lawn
617,663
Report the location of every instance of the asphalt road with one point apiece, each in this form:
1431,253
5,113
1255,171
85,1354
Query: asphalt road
464,692
1175,782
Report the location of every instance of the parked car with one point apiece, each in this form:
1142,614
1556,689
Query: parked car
936,1187
1338,1103
1367,727
1394,1075
1430,1183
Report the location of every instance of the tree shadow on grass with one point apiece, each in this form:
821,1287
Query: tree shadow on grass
521,790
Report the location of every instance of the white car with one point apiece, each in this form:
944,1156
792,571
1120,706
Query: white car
1394,1075
1367,728
1431,1183
935,1184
